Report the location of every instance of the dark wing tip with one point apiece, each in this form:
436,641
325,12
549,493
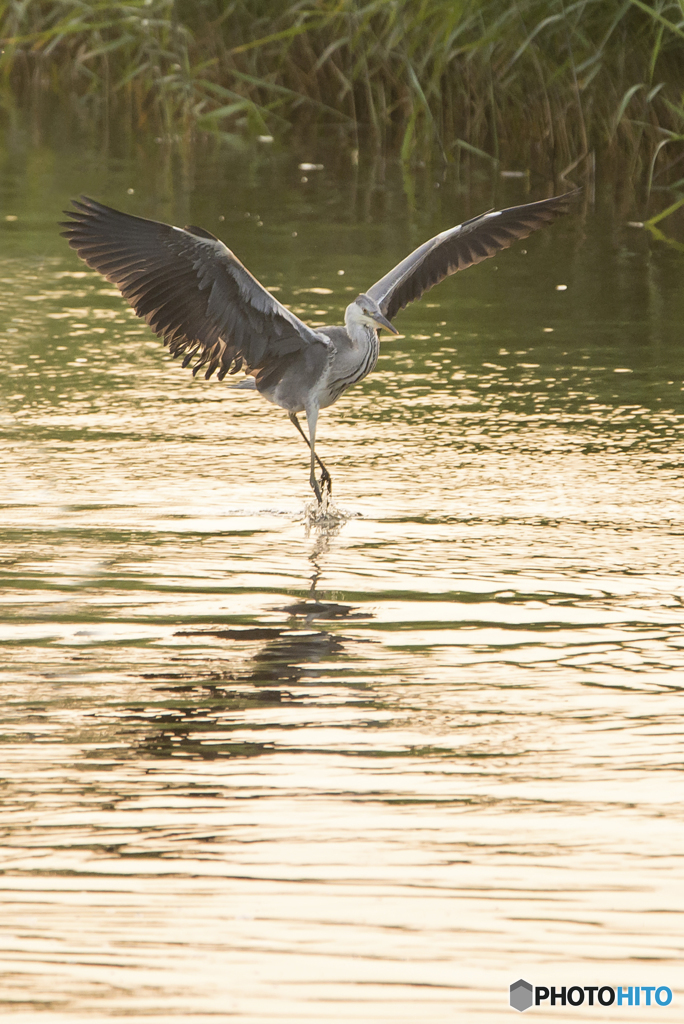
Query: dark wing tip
83,211
563,202
84,204
572,194
546,209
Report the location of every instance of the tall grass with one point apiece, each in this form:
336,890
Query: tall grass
539,84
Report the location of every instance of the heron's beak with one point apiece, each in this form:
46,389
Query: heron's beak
384,322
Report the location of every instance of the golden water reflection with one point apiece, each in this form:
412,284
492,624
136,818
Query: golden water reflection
258,768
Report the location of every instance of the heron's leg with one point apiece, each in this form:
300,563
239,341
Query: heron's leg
326,479
311,420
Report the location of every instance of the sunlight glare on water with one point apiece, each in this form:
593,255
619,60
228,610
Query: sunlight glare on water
378,766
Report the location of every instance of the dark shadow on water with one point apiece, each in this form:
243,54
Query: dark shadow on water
197,707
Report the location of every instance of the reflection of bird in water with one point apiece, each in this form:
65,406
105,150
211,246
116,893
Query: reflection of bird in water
210,705
204,303
211,711
210,708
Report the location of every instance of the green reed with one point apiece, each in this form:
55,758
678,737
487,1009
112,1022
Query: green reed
542,84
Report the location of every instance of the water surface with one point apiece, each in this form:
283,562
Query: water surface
377,768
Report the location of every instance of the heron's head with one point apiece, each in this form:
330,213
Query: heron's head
364,310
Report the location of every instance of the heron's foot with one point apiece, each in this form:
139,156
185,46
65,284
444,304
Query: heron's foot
325,485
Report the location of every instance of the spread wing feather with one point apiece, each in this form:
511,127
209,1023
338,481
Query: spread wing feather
460,247
190,288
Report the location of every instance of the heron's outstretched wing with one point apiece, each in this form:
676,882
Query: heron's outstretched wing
471,242
190,288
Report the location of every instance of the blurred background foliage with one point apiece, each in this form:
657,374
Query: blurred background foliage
532,84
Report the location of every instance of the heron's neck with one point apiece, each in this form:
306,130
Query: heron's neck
352,362
360,331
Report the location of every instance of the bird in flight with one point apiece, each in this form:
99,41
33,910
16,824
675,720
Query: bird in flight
197,295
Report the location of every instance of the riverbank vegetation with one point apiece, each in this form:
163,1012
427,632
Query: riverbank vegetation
543,84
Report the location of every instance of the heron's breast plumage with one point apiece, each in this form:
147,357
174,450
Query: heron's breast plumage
353,360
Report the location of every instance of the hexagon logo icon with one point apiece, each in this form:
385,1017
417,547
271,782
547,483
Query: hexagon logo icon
521,995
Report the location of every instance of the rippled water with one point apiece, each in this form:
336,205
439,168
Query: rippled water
376,768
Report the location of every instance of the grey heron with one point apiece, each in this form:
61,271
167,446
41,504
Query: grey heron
204,303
